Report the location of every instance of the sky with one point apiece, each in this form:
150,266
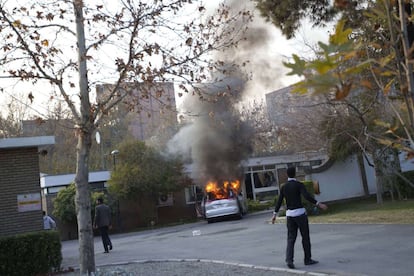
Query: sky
265,49
269,73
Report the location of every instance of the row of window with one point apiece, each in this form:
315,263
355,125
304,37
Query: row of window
260,182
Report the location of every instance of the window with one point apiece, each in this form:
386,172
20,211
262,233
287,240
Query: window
192,193
264,179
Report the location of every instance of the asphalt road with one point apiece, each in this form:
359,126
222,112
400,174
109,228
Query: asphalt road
342,249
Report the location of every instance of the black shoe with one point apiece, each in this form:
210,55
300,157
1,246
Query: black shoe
311,262
110,247
106,251
291,265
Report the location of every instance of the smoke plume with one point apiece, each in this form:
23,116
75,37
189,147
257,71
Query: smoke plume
259,51
216,139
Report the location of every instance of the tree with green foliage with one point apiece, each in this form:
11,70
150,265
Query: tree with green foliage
141,171
289,15
64,204
66,48
372,67
371,59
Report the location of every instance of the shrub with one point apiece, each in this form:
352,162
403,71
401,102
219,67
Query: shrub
405,189
37,253
64,204
256,205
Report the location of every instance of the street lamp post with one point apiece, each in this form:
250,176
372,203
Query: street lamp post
114,153
99,142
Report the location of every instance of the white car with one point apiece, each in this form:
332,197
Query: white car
232,206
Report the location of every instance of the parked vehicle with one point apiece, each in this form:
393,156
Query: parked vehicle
231,205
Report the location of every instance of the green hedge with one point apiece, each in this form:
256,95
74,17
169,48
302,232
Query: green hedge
256,205
37,253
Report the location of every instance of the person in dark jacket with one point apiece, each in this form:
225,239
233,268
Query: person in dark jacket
296,217
102,221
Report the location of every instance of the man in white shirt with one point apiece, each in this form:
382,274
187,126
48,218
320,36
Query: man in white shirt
48,222
296,217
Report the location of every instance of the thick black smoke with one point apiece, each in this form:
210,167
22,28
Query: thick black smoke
216,139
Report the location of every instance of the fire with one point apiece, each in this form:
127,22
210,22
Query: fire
228,189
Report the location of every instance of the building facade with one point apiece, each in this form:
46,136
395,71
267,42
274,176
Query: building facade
264,175
147,110
128,215
20,195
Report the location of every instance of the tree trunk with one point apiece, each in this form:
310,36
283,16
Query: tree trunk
379,176
361,165
83,206
407,61
85,129
379,182
393,167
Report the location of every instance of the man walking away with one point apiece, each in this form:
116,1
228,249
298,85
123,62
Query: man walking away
103,222
296,217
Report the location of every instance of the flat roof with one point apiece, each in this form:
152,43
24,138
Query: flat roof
47,181
276,160
24,142
285,159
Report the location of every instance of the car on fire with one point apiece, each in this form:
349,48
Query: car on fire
223,204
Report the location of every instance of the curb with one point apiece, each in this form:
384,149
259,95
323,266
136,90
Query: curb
258,267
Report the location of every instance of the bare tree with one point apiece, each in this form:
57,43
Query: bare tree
299,118
267,137
68,47
11,116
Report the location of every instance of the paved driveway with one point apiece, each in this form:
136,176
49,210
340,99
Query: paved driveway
342,249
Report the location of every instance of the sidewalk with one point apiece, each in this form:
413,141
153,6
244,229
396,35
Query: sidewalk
188,267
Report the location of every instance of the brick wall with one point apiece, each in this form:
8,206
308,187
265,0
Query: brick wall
140,212
180,211
19,174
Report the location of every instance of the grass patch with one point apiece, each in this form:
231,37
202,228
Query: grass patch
367,211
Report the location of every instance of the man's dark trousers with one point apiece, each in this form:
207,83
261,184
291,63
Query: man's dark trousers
105,237
293,223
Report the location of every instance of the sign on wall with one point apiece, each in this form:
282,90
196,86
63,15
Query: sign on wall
29,202
407,164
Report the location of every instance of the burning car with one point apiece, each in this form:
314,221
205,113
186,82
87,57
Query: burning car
223,201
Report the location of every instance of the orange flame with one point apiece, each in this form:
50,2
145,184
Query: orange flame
222,191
